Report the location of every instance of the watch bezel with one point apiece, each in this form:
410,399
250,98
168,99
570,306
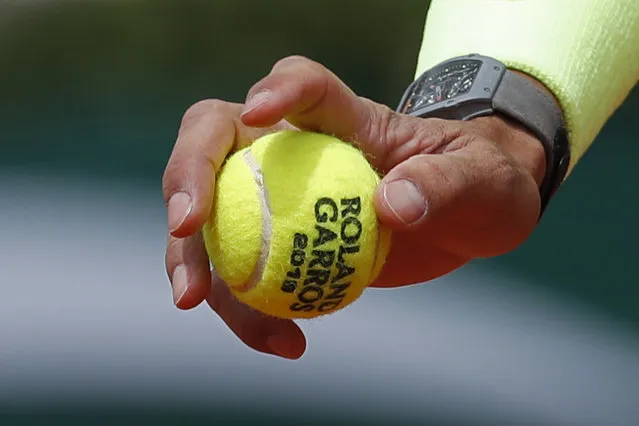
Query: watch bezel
476,102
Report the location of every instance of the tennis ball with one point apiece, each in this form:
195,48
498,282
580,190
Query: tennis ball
293,230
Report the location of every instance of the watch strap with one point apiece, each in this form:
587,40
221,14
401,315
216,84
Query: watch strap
521,100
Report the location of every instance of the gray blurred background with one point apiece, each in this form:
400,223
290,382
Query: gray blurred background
91,94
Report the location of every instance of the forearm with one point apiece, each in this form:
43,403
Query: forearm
585,51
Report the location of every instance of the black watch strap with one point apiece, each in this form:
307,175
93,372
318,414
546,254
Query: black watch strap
518,98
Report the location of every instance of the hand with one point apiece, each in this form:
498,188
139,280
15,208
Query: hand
452,191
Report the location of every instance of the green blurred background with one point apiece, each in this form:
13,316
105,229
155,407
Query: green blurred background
94,91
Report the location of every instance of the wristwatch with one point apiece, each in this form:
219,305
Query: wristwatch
471,86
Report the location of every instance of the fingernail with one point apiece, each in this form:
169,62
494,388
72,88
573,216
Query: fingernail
281,345
255,101
179,207
180,282
405,201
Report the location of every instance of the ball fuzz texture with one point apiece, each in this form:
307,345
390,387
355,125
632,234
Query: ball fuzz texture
293,231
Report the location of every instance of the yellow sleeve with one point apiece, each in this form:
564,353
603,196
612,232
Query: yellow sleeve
585,51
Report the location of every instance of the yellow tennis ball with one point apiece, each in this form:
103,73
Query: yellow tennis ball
293,231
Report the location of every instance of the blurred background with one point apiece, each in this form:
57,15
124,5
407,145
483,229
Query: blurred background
91,94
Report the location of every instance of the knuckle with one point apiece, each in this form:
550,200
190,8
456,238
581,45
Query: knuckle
203,107
170,260
172,176
446,136
445,177
304,70
431,134
295,61
168,181
167,189
383,126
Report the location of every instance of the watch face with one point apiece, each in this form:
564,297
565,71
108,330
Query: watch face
447,81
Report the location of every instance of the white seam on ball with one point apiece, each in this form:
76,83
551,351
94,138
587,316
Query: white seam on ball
267,221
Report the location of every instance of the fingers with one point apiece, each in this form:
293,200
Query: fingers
473,202
207,134
308,95
187,265
312,98
209,131
265,334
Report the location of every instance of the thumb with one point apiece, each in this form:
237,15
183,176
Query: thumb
475,201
